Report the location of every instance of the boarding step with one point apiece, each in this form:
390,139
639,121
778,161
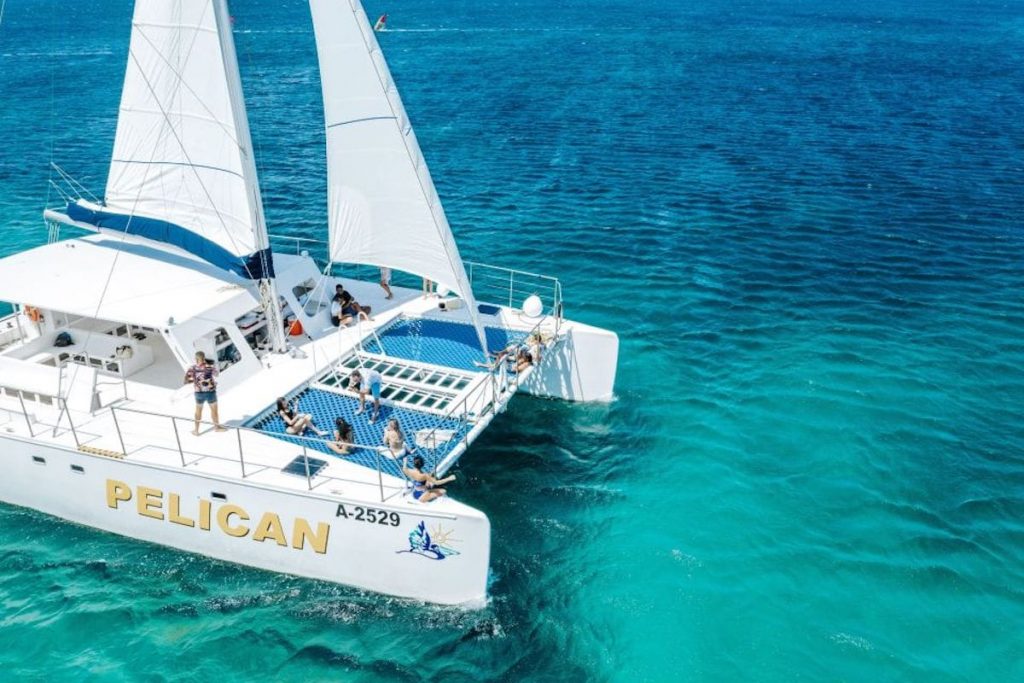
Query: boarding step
93,450
406,383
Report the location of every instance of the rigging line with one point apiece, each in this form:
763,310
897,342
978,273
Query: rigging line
124,233
73,184
113,264
49,170
180,80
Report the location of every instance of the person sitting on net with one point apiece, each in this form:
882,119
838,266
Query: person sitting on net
295,422
343,439
425,487
366,381
394,440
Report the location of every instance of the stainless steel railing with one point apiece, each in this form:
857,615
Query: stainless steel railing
249,465
491,284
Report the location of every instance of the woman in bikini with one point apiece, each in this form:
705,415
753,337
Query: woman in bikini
342,444
425,487
295,422
394,440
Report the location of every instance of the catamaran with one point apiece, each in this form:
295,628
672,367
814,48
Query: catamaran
96,421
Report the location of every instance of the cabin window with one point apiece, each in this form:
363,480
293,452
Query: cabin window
218,496
224,349
38,459
78,469
253,326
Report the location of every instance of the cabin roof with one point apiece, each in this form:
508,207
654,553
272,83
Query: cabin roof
121,279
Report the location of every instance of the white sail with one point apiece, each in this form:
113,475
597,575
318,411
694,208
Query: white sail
383,209
182,169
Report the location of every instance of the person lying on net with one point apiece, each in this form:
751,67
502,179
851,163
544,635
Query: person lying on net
425,487
516,356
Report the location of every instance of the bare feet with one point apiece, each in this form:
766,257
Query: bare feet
220,428
195,432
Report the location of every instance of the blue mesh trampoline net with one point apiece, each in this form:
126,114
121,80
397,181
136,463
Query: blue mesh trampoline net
325,406
440,342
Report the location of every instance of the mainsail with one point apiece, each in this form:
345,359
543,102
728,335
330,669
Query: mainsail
183,170
383,209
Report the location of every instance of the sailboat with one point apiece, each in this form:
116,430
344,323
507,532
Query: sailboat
381,24
96,417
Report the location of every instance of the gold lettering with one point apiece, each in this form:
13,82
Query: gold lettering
270,527
204,514
150,502
301,531
224,512
116,492
174,511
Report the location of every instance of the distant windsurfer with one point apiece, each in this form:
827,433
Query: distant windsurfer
382,23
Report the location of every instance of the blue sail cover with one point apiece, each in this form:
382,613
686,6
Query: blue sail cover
255,266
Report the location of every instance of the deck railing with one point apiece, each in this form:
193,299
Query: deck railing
491,284
248,460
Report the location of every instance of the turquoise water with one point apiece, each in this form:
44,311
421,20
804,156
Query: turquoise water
803,219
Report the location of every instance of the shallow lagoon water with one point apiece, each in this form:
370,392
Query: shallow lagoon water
803,219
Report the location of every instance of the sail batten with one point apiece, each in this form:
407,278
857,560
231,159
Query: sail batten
383,209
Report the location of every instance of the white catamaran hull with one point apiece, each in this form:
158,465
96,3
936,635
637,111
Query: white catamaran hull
399,548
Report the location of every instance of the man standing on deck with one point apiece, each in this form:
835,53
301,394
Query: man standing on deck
365,381
203,376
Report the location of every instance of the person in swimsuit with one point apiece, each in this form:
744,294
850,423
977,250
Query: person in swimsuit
385,282
366,381
343,439
523,359
394,440
425,487
203,377
295,422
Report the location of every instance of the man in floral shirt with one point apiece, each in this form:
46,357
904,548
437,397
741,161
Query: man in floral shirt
203,376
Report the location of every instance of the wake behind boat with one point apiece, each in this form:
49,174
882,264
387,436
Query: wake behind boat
177,260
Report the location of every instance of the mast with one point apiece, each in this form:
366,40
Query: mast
268,289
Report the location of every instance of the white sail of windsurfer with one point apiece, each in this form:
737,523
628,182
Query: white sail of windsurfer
383,209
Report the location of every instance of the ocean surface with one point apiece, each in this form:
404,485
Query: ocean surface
804,220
